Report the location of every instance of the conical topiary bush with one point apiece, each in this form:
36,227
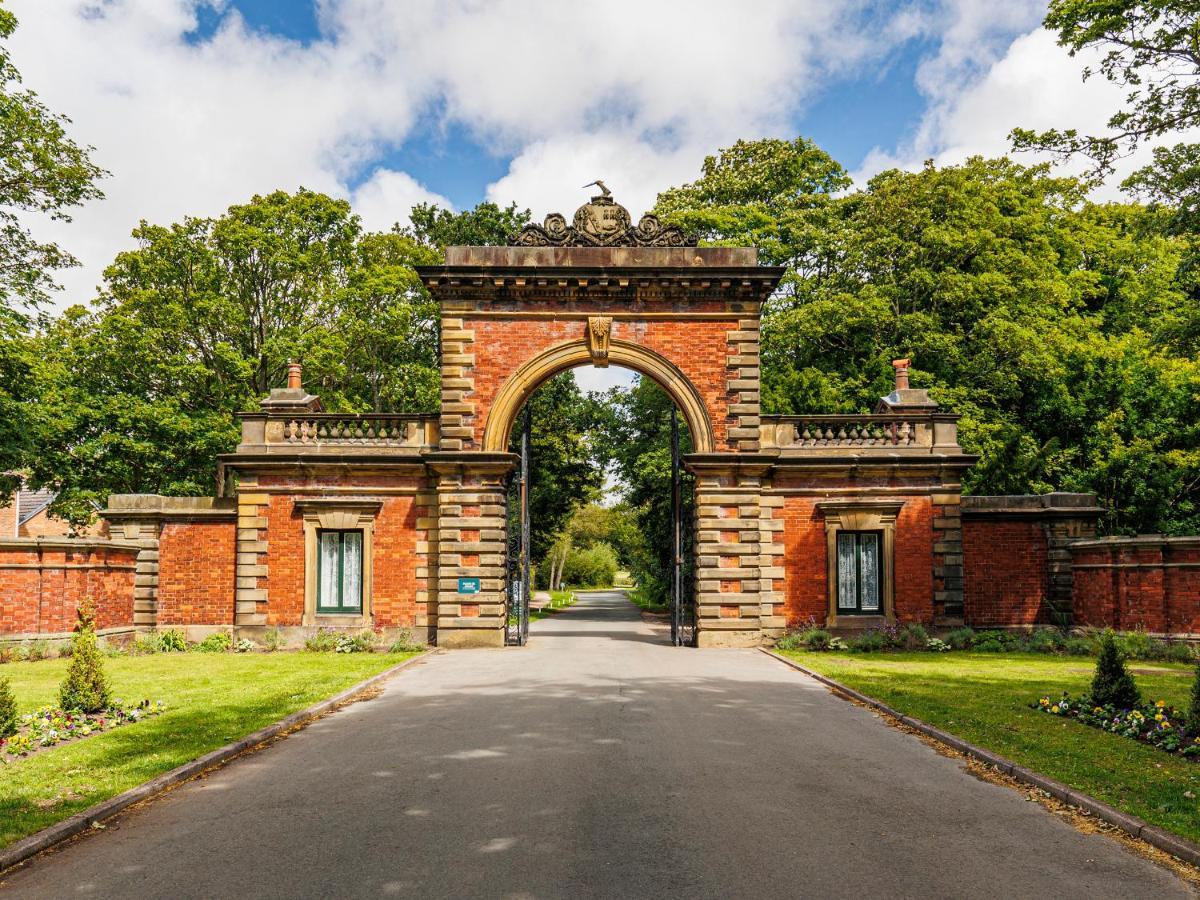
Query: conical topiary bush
1112,684
1193,713
85,688
8,709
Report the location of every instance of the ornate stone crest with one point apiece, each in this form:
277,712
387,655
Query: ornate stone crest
599,330
602,222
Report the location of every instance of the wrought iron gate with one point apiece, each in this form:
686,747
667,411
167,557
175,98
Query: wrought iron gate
517,588
683,607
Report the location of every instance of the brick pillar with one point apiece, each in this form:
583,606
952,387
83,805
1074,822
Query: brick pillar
427,561
250,598
458,384
947,557
742,384
730,574
471,543
771,554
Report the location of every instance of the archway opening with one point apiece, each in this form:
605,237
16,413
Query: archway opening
606,526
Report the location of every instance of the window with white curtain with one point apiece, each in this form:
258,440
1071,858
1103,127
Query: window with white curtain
339,571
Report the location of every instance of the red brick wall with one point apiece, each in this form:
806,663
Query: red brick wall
699,348
196,573
41,586
1149,583
805,566
1006,579
394,559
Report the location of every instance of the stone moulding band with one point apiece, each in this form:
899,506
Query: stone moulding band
530,376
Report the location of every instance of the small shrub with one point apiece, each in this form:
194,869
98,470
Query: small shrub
871,641
790,641
1044,640
810,638
913,637
1007,640
217,642
8,709
1078,646
838,644
32,651
85,688
171,641
244,645
1192,721
961,638
7,653
989,645
1112,684
1178,651
272,640
1135,645
934,645
144,645
324,641
354,643
110,649
405,642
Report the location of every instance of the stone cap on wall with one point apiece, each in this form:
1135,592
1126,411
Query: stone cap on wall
63,543
1054,504
157,506
602,257
1117,542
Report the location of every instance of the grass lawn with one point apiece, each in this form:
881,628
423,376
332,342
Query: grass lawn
984,697
211,699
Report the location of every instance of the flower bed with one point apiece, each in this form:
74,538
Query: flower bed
50,726
1156,723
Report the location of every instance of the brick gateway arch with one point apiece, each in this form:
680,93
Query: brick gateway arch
399,521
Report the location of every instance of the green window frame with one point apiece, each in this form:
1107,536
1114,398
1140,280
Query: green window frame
339,571
859,573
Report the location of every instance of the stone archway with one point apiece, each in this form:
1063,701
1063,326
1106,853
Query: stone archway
602,291
533,373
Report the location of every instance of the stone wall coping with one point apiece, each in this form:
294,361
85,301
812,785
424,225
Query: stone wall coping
64,543
1138,540
156,506
1057,504
603,257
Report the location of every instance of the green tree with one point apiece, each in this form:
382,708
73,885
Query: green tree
200,321
1150,47
485,225
42,171
771,194
637,441
564,473
1058,328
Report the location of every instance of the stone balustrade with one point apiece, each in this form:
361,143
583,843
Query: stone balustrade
337,432
853,434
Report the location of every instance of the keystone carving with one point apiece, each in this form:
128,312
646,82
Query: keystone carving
599,330
602,222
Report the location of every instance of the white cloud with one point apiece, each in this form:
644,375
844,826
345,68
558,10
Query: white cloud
631,91
385,198
1030,83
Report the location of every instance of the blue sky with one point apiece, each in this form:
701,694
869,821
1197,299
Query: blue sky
195,105
850,117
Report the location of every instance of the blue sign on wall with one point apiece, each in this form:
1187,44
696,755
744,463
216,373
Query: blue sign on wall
468,585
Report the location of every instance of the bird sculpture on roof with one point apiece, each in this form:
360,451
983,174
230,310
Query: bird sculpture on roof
604,191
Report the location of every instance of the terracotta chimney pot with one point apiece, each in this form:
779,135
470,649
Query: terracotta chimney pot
901,367
293,381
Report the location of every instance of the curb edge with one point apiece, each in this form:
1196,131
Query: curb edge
1179,847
